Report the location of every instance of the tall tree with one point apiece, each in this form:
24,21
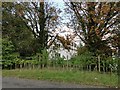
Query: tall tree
37,17
93,22
15,30
115,40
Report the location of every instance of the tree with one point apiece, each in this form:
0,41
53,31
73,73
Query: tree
36,17
14,29
66,42
93,22
115,41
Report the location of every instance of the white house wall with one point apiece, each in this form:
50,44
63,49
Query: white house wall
62,51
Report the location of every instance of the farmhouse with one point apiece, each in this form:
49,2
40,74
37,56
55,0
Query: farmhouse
65,44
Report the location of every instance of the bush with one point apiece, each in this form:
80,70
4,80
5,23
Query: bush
84,59
111,64
8,53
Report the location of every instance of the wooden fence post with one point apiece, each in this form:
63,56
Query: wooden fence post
99,63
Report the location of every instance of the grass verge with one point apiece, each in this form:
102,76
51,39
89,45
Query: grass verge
79,77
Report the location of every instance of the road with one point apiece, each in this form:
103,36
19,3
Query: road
11,82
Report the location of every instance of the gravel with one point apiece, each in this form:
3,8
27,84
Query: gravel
12,82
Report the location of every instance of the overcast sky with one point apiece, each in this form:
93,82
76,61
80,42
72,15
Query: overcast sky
61,5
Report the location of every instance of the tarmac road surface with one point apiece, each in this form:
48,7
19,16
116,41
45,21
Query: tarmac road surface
12,82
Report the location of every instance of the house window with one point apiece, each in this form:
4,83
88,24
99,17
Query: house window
57,54
72,44
75,45
58,45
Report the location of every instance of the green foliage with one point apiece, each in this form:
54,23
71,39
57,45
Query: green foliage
60,61
20,35
57,60
7,47
7,50
8,53
83,58
111,63
45,56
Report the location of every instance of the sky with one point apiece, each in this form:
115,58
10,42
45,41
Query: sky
60,4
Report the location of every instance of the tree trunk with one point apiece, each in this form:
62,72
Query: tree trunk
43,34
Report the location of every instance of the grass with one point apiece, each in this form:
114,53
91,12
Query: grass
79,77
